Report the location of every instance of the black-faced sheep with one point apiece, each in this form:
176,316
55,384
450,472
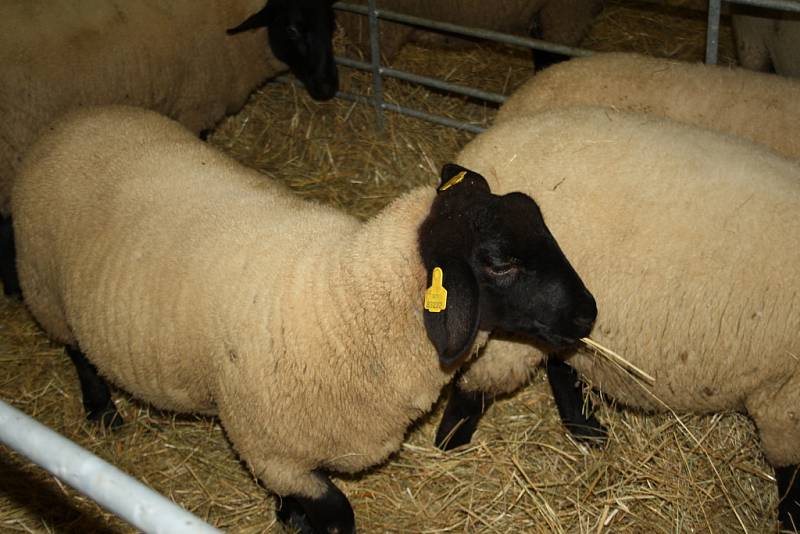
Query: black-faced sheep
198,286
173,57
688,240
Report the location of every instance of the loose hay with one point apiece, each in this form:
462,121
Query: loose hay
522,473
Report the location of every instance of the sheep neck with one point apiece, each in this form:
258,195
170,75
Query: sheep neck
384,280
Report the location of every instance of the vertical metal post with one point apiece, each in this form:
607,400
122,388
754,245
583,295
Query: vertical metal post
712,33
374,45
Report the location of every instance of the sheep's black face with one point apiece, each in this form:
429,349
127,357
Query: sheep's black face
300,35
498,253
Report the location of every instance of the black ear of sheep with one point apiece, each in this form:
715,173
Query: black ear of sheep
453,174
261,19
453,329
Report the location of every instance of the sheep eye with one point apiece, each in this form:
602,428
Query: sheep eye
501,269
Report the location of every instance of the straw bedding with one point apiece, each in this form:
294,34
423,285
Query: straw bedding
522,473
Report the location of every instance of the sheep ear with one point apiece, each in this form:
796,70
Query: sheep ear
262,19
453,174
453,329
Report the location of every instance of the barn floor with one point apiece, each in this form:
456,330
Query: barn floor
522,473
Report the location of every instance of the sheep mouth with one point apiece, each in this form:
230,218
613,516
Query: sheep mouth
551,339
555,342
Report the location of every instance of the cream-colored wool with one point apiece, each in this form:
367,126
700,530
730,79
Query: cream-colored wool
759,107
768,40
687,239
173,57
561,21
199,286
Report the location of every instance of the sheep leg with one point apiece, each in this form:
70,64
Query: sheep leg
96,396
8,259
330,512
542,58
788,478
568,394
460,419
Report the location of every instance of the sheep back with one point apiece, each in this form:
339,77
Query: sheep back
757,106
105,254
171,57
687,239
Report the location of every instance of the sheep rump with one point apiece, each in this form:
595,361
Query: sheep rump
172,57
687,239
756,106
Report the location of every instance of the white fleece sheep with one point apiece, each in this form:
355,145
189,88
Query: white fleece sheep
759,107
197,286
173,57
767,40
688,239
559,21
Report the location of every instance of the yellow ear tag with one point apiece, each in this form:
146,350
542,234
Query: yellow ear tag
453,181
436,295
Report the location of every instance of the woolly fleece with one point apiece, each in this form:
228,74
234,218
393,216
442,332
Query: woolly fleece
173,57
199,286
759,107
688,241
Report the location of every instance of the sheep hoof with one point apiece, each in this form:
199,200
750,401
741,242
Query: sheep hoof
290,512
96,395
592,433
460,419
330,513
109,417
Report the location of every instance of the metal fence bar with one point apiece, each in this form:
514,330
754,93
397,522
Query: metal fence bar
108,486
525,42
712,31
371,11
425,80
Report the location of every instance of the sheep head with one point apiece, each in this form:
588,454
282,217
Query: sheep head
301,35
501,268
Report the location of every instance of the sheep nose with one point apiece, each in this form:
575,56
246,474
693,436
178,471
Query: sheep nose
586,313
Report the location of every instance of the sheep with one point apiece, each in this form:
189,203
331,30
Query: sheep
562,22
192,283
767,40
759,107
688,240
174,58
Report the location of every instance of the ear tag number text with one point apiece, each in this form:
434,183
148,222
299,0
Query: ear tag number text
436,295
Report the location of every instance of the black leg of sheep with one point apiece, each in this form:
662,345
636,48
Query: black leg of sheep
568,394
8,259
331,512
460,419
96,396
788,478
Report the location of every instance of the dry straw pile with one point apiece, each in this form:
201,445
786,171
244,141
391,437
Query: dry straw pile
522,473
